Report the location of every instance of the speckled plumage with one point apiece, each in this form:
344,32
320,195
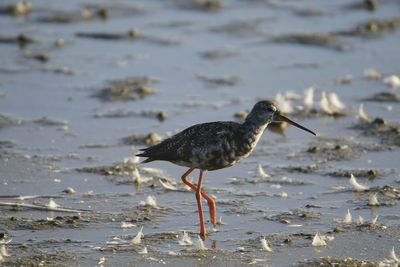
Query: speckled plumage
214,145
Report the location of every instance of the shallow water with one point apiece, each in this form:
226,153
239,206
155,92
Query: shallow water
44,157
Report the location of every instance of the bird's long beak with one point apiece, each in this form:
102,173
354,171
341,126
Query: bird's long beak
283,118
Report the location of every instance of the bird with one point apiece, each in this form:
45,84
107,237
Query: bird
213,146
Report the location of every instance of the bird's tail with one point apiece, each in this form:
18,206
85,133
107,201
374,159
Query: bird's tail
144,154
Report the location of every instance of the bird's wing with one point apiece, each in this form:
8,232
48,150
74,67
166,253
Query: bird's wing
198,136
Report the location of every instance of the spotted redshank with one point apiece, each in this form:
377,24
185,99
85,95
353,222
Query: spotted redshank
215,145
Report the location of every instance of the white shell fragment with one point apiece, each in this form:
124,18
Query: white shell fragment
347,217
3,251
200,244
167,185
138,238
393,81
331,103
360,220
127,225
284,104
372,74
362,115
264,245
393,256
374,220
139,179
324,103
335,102
358,187
52,204
150,202
373,200
309,97
143,251
318,241
261,172
283,195
185,240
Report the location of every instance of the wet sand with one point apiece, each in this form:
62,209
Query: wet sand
85,85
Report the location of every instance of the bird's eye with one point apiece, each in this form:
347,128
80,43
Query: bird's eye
270,109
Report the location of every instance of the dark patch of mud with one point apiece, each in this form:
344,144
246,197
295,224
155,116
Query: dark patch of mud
131,34
384,97
200,5
6,144
159,115
359,173
332,261
332,40
117,169
133,88
337,149
18,9
220,81
46,121
241,28
7,120
387,196
92,12
370,5
40,57
325,40
294,216
387,134
373,28
219,53
142,139
31,256
65,221
302,169
21,39
131,173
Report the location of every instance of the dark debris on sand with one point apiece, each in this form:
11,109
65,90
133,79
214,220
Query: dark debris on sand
7,120
17,223
331,261
20,8
142,139
117,169
294,216
373,28
132,88
384,97
216,81
326,40
339,149
359,173
91,12
370,5
388,134
241,28
120,113
29,255
21,39
201,5
129,35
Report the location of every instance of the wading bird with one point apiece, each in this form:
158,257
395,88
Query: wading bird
215,145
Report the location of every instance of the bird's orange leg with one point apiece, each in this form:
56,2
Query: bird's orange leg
210,201
203,232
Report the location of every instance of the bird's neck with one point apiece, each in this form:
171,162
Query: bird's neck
255,122
253,128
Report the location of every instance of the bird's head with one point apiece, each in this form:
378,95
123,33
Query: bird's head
267,111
